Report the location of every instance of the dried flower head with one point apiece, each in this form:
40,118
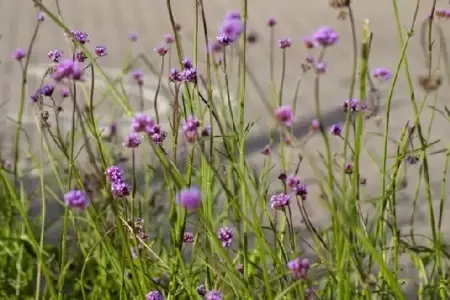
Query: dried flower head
430,83
339,4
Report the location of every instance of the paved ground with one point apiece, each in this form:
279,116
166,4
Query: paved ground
108,23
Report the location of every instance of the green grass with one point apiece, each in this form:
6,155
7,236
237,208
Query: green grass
104,251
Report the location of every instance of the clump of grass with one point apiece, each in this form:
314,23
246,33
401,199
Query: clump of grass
194,220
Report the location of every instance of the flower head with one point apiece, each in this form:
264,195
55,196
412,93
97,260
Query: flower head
292,181
175,75
133,140
285,115
137,75
336,130
76,199
325,36
201,290
65,93
271,22
315,125
354,105
47,90
301,190
101,51
233,15
142,123
19,54
80,56
169,39
280,201
55,55
190,129
213,295
285,42
154,295
225,236
299,268
230,30
266,151
382,74
188,237
80,36
321,67
67,69
161,50
190,198
132,37
40,16
116,179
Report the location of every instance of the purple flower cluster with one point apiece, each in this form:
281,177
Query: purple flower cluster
137,75
201,290
133,140
230,29
271,22
55,55
285,42
169,39
442,13
225,235
190,198
325,36
154,295
354,105
144,123
47,90
336,130
80,56
161,50
19,54
188,237
382,74
101,51
190,129
213,295
299,268
280,201
67,69
119,187
81,37
76,199
187,74
285,115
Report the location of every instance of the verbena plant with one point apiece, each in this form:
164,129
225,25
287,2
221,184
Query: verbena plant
218,232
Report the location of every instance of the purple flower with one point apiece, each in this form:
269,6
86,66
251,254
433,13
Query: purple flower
65,93
190,129
225,236
382,74
187,63
299,268
301,190
114,174
47,90
213,295
285,115
34,98
161,50
240,268
271,22
266,151
285,42
309,294
175,76
280,201
216,46
224,40
138,76
80,56
321,67
120,189
19,54
233,15
315,125
142,123
169,39
132,37
81,37
154,295
157,135
231,29
354,105
101,51
325,36
188,238
292,181
189,75
55,55
190,198
348,168
201,290
67,69
133,141
76,199
336,130
40,16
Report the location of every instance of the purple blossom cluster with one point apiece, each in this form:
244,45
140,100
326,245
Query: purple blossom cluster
116,178
285,42
382,74
67,69
354,105
225,235
76,199
336,130
213,295
280,201
188,73
19,54
154,295
188,237
190,129
101,51
230,29
285,115
442,13
190,198
299,267
133,140
55,55
144,123
80,36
